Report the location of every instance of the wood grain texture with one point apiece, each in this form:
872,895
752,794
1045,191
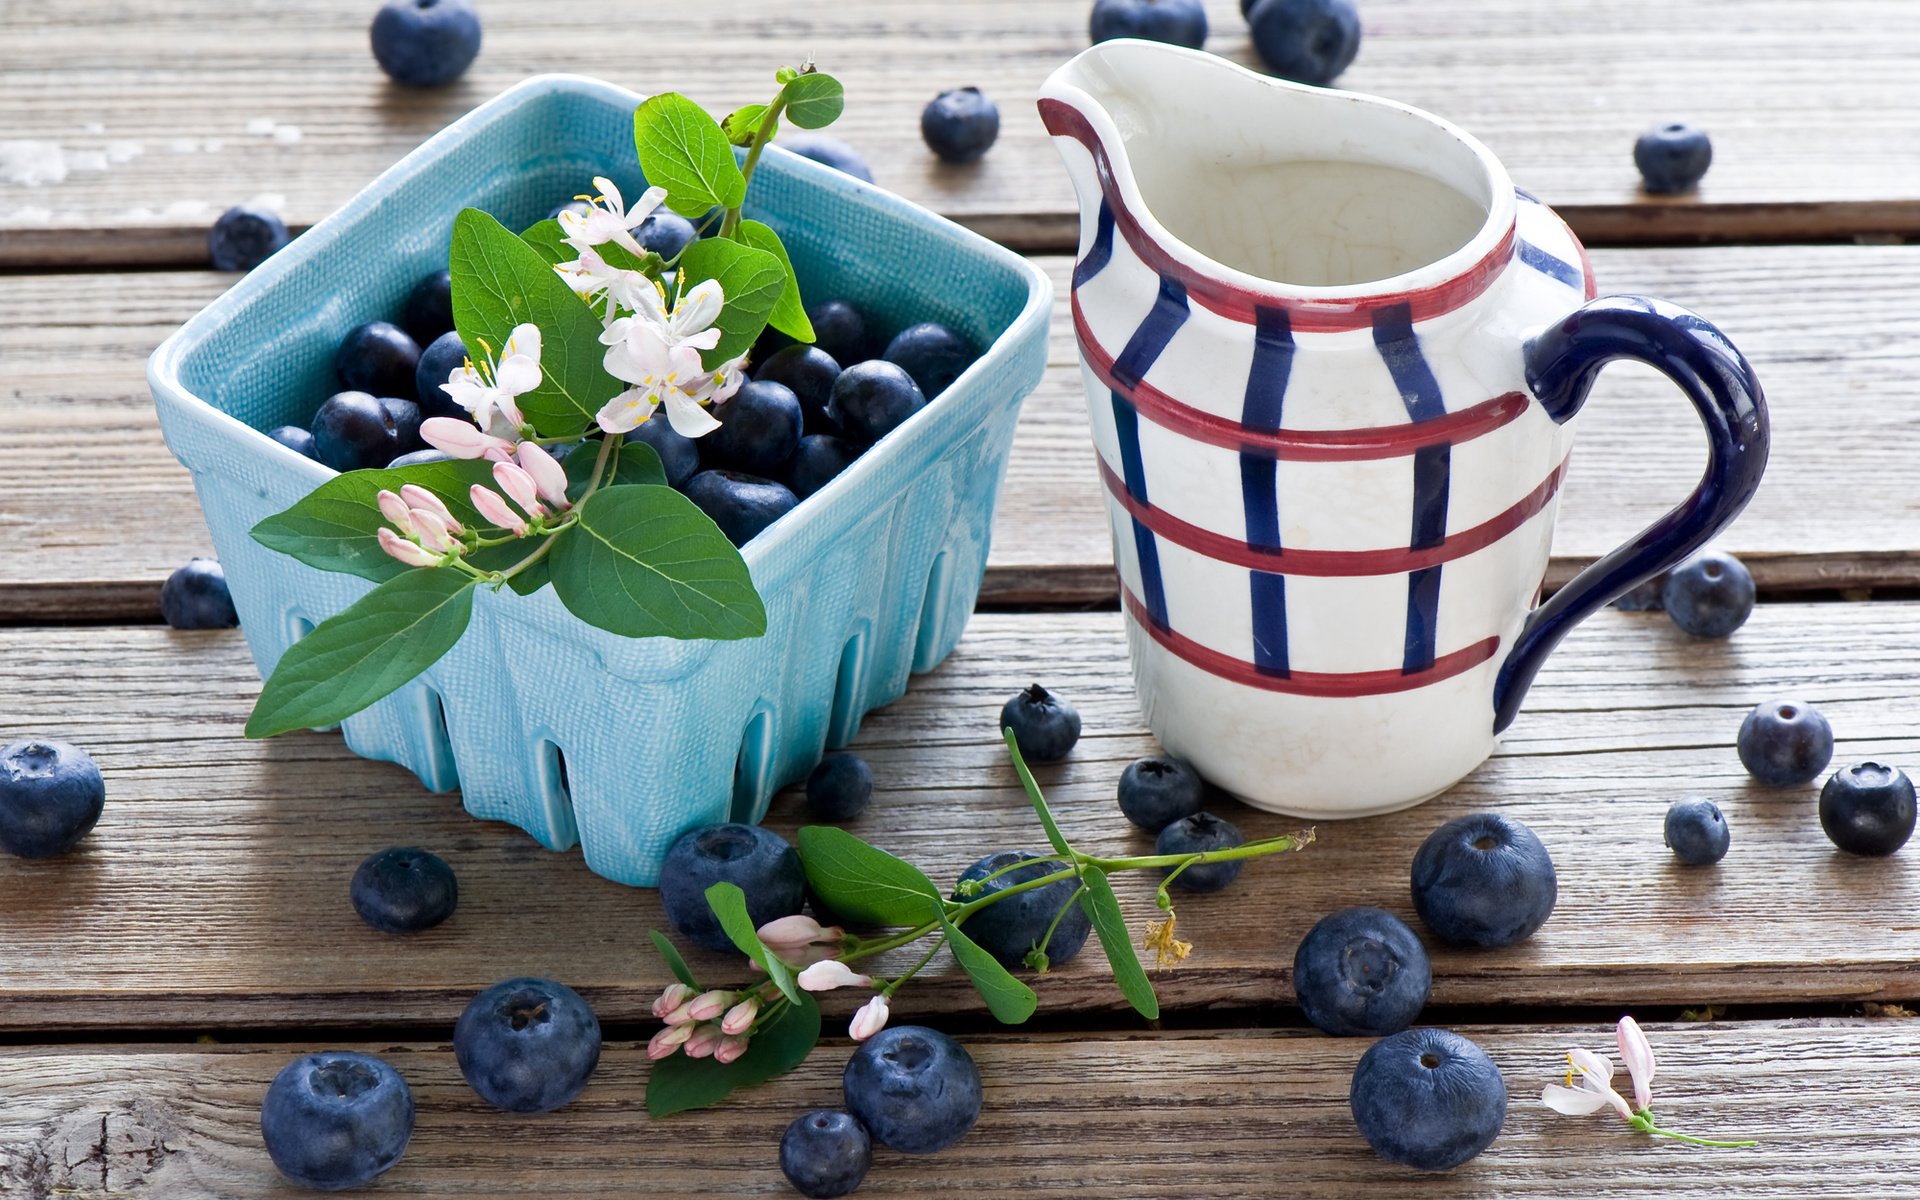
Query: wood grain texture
1833,1104
1813,109
214,892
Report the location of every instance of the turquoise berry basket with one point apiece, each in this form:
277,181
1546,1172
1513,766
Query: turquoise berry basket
570,733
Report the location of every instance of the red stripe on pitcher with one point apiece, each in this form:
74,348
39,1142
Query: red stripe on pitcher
1329,315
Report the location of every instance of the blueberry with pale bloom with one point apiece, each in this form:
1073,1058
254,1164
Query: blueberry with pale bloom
1428,1099
377,357
916,1089
244,237
51,795
425,43
825,1154
527,1045
756,860
831,152
336,1120
196,597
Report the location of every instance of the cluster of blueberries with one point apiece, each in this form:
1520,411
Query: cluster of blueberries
1307,41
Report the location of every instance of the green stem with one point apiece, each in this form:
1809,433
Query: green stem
1055,923
1643,1121
546,543
1272,845
761,137
869,949
977,885
917,967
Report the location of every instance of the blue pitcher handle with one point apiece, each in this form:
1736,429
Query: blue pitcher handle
1562,364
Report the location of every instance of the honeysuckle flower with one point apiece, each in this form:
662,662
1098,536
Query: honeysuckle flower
494,507
797,932
675,995
690,321
829,974
432,531
549,477
871,1019
457,438
395,510
668,1040
609,219
730,1048
419,497
1589,1086
1638,1055
740,1017
702,1042
708,1006
491,390
410,553
661,373
515,482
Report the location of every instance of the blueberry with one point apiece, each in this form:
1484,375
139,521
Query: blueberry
426,43
1697,833
243,237
830,151
825,1153
665,232
378,357
429,309
336,1120
406,424
1191,835
840,788
1428,1099
1483,880
441,358
759,429
1044,726
1361,972
916,1089
757,861
195,596
294,438
353,430
1709,595
933,354
1156,792
741,505
527,1045
1643,597
809,373
1307,41
872,399
1013,928
1181,22
404,890
51,795
1673,157
840,330
421,456
960,124
1868,809
821,456
679,454
1785,742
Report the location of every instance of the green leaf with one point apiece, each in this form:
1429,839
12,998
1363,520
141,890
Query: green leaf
1033,794
785,75
365,651
743,124
335,526
685,151
815,100
679,1083
642,561
752,281
729,904
1103,909
789,314
636,463
1010,1001
533,577
545,237
671,956
864,884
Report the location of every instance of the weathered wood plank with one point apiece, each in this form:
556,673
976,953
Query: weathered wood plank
1813,110
214,891
1832,1103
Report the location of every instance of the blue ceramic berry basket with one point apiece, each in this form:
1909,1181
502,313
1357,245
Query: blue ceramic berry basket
573,734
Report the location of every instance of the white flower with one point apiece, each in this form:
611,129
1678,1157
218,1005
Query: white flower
1591,1078
592,276
609,220
690,321
661,373
491,391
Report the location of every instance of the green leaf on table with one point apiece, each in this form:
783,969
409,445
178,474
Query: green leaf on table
678,1083
1103,909
635,463
752,281
1033,794
670,954
642,561
743,124
1010,1001
789,314
335,527
685,151
864,884
365,651
814,100
729,904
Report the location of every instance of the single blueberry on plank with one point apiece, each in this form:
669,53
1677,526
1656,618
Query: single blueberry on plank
1010,929
1483,880
960,124
1178,22
1697,833
1672,157
336,1120
195,596
51,796
840,788
425,43
1155,792
1710,595
829,151
915,1089
243,237
527,1045
1198,834
1785,742
1045,727
1868,809
1361,972
757,861
825,1153
404,889
1307,41
1428,1099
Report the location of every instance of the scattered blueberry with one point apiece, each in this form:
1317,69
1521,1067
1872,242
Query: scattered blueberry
429,309
741,505
933,354
757,861
825,1153
51,795
808,372
336,1120
840,788
1673,157
916,1089
1709,595
1643,597
406,424
404,890
821,456
353,430
378,357
1697,833
665,232
1011,929
1044,726
1191,835
1156,792
1181,22
527,1045
1361,972
679,454
1307,41
872,399
1483,880
243,237
294,438
830,151
960,124
1868,809
759,429
1785,742
426,43
1428,1099
195,596
421,456
840,330
444,355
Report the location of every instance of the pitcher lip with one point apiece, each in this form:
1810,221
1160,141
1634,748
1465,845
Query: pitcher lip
1430,290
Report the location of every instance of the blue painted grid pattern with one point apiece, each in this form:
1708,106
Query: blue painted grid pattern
1549,265
1260,480
1432,465
1101,252
1163,320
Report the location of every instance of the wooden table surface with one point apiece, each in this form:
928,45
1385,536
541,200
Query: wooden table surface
152,982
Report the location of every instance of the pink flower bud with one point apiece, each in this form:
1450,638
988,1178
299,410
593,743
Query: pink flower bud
680,1016
462,439
730,1048
795,932
395,510
405,550
871,1019
515,482
548,475
830,974
708,1006
419,497
675,995
432,532
740,1017
704,1040
493,506
668,1040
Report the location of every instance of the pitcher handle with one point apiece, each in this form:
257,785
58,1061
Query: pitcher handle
1562,364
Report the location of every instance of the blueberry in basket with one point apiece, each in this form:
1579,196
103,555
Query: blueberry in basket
819,458
429,309
840,331
932,354
354,430
377,357
872,399
809,373
740,504
679,454
759,429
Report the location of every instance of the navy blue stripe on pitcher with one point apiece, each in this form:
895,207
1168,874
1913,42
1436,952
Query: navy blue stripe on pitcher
1432,469
1549,265
1101,252
1126,427
1260,483
1163,320
1423,618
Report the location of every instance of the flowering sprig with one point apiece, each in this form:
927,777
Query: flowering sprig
1589,1087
